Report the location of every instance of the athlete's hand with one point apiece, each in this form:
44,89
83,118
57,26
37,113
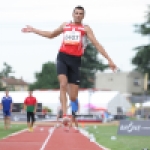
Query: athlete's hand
112,65
27,29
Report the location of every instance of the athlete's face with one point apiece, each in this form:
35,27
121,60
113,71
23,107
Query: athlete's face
6,93
30,93
78,15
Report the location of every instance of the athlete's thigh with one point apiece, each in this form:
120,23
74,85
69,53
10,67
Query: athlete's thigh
74,74
4,113
62,72
62,68
8,114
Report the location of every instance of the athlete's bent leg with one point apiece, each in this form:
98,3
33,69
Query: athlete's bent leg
74,119
73,91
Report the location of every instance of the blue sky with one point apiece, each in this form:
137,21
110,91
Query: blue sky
111,20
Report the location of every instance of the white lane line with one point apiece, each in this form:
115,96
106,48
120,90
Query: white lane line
104,148
16,133
51,130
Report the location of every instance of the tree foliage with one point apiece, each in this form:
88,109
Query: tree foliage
47,78
90,65
6,71
141,60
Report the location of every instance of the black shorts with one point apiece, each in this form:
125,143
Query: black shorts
74,114
69,65
30,117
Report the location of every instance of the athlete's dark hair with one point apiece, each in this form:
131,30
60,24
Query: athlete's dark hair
79,7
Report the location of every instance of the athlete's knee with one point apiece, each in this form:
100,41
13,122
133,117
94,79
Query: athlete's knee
63,86
73,97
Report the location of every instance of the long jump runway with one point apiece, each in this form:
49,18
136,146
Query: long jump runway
48,138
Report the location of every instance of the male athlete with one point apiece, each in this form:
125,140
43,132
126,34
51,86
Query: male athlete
7,105
75,35
30,106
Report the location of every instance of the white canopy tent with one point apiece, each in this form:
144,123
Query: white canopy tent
146,104
110,100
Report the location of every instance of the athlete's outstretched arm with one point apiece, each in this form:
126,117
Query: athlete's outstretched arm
99,47
48,34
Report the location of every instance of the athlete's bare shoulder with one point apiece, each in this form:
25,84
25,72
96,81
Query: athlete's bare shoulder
57,31
64,24
87,28
90,34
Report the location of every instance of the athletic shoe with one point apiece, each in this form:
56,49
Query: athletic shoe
31,129
76,129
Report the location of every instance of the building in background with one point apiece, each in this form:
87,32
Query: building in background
14,84
124,82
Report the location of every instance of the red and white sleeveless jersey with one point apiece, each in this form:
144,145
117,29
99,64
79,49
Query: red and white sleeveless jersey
74,40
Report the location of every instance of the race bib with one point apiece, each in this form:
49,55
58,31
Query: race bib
72,37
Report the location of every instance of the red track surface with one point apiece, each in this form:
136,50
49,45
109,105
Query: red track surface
60,140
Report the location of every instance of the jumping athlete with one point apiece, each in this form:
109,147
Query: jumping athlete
75,35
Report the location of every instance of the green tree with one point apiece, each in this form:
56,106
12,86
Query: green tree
90,65
47,78
2,88
141,60
6,71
